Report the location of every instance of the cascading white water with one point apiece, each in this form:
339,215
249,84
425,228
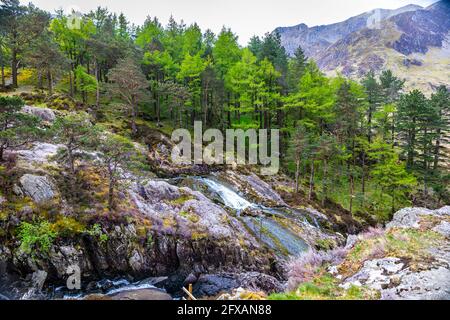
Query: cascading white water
265,228
230,198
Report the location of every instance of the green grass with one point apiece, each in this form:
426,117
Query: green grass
325,287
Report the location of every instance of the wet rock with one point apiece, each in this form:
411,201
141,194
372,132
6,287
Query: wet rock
191,278
64,256
132,294
209,285
260,282
136,261
251,185
38,279
44,114
141,294
39,188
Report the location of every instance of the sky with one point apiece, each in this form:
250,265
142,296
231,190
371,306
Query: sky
245,17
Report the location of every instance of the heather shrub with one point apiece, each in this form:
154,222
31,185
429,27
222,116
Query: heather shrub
372,233
303,268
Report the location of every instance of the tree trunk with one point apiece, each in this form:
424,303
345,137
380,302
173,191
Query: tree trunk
50,80
437,149
351,194
363,178
14,67
97,93
297,175
40,84
324,181
3,75
70,84
111,194
133,117
311,181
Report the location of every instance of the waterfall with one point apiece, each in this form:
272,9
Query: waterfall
265,227
230,198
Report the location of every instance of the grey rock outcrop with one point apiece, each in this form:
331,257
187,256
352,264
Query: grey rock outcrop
395,278
44,114
39,188
410,217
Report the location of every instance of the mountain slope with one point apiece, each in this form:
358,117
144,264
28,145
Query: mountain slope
412,41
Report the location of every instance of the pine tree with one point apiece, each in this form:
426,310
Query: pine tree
440,102
129,83
296,69
16,128
374,99
411,111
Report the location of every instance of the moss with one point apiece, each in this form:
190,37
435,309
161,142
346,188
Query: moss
181,200
67,226
407,244
198,236
149,242
169,222
194,218
325,244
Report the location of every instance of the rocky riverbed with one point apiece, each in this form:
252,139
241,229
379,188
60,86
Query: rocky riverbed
222,231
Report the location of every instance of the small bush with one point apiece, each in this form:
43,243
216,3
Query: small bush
372,233
96,231
304,268
40,236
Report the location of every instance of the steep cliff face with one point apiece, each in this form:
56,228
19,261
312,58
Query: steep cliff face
412,41
178,228
316,39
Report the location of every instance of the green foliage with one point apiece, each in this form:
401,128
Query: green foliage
36,236
86,82
331,127
16,128
96,231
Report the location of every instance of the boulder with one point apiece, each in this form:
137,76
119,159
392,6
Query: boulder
410,217
443,228
44,114
209,285
132,294
431,284
375,273
141,294
39,188
39,152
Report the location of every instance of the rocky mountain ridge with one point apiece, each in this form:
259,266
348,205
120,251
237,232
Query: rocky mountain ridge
412,41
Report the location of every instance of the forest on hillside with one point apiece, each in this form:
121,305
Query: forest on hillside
367,145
